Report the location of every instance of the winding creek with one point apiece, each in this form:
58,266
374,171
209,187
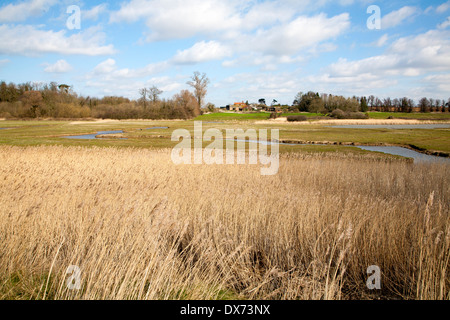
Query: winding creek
399,151
405,152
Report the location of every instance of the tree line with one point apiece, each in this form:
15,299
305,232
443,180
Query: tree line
327,103
53,100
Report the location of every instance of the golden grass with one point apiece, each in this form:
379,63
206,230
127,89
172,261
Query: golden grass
140,227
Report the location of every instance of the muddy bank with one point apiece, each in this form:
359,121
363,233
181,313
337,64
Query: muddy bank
408,146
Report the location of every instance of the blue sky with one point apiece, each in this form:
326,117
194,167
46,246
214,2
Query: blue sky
250,49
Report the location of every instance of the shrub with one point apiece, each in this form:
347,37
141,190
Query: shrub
296,118
339,114
5,114
356,115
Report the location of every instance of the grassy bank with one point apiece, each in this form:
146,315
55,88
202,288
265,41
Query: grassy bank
139,227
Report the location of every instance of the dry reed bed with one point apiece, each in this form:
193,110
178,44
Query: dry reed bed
140,227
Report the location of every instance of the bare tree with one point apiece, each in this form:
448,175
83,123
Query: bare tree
424,105
187,104
371,101
406,105
396,104
154,93
378,104
200,83
387,104
144,94
432,102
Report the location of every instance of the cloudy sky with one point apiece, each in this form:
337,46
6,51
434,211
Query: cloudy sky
250,49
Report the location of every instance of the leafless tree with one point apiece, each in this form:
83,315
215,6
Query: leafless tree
187,104
424,105
371,101
387,104
154,93
200,83
144,94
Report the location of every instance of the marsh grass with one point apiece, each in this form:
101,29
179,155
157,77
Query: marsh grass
140,227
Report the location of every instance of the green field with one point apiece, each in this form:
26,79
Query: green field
224,116
32,133
233,116
419,116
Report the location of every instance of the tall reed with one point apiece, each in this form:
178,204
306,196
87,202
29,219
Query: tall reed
140,227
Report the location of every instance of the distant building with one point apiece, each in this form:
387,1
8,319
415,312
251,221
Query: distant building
239,106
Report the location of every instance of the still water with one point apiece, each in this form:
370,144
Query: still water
92,136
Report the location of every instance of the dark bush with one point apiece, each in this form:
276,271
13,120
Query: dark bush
339,114
296,118
356,115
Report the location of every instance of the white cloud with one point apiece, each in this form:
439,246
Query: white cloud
273,31
176,19
24,10
265,62
301,33
92,14
29,40
408,56
60,66
428,51
288,42
444,24
428,10
443,7
381,41
106,66
202,52
4,61
109,79
439,81
422,60
225,20
253,86
108,71
361,84
395,18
